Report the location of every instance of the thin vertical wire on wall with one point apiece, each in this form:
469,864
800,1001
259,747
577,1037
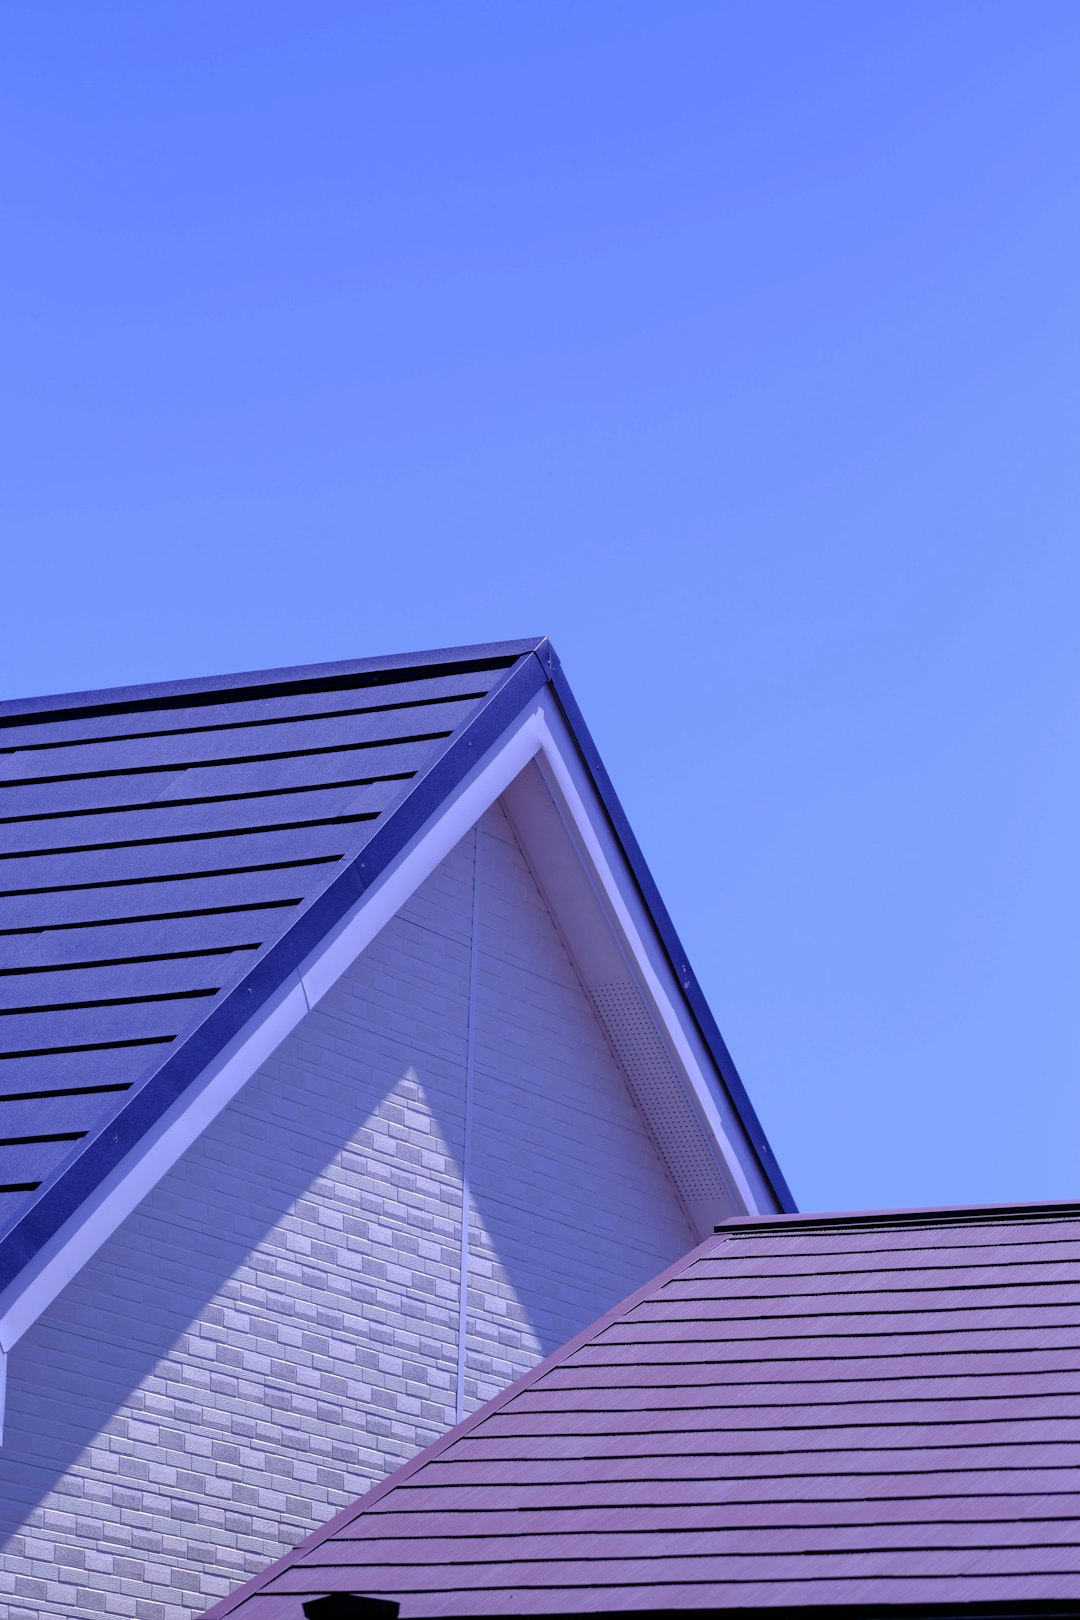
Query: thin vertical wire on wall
466,1156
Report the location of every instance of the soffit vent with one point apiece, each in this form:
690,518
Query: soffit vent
661,1097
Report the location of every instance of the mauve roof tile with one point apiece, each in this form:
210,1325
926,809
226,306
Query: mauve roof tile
849,1412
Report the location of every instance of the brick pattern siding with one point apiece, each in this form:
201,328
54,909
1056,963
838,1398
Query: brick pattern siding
276,1326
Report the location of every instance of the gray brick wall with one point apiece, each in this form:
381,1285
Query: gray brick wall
277,1324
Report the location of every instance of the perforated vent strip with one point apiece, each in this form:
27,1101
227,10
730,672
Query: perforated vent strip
659,1093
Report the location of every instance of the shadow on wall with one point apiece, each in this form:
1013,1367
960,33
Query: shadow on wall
173,1355
270,1271
276,1326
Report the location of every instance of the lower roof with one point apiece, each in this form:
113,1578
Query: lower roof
835,1413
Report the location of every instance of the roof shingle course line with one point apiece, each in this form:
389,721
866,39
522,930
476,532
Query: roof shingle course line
126,961
730,1569
964,1429
167,877
90,1046
219,763
206,798
975,1235
990,1258
241,725
192,837
109,1001
670,1517
712,1542
894,1283
259,685
156,916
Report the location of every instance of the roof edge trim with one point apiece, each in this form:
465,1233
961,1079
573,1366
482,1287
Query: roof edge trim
930,1215
666,931
1018,1609
203,689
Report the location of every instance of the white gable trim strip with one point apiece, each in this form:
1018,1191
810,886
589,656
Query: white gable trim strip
572,788
543,735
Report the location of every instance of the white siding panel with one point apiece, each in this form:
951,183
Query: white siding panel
276,1326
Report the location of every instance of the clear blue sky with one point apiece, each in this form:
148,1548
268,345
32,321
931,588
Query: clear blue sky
735,346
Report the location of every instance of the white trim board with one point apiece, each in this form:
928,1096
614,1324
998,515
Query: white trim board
541,735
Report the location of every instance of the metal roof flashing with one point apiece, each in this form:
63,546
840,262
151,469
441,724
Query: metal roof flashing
920,1216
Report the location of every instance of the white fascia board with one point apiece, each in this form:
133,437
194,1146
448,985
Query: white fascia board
541,734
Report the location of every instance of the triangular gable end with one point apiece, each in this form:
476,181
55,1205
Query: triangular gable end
520,741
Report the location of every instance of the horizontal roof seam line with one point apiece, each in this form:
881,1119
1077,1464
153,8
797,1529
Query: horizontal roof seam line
108,1001
796,1406
826,1408
859,1380
172,877
846,1333
755,1228
774,1475
945,1302
827,1315
728,1274
618,1586
892,1425
739,1361
64,1091
776,1450
675,1507
48,1136
355,681
204,798
674,1533
128,961
92,1046
189,838
409,1538
997,1243
347,1543
944,1289
220,764
241,725
152,916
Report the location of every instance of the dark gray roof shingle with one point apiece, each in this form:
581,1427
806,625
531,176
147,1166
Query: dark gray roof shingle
168,854
851,1411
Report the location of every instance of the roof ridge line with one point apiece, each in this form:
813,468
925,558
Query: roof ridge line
931,1215
199,688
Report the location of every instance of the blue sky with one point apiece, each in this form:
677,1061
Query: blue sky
735,346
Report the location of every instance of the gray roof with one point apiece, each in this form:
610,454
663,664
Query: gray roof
170,853
849,1411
